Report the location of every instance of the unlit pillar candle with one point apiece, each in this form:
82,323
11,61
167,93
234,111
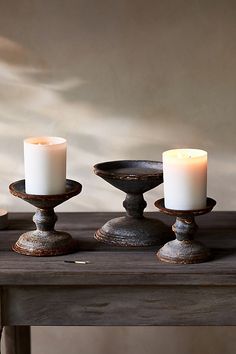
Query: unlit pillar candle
45,165
185,179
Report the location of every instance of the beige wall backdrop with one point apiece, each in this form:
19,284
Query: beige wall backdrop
120,80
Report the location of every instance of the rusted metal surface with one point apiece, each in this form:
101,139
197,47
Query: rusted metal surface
184,249
134,177
123,171
45,240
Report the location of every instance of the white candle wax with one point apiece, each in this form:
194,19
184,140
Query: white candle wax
185,179
45,165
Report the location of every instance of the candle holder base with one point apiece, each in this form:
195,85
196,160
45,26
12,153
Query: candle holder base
184,252
36,243
45,241
184,249
131,232
133,177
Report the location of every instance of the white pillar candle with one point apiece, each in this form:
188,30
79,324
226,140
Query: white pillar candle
185,179
45,165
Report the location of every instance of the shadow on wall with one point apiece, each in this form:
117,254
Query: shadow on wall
119,81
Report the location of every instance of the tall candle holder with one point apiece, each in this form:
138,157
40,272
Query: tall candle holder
45,240
184,249
133,177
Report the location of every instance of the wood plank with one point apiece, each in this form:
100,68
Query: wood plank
118,266
120,286
120,305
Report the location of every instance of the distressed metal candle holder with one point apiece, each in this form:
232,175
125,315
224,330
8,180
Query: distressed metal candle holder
134,177
45,240
184,249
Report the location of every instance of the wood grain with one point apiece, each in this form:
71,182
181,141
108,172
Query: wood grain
118,266
120,286
120,305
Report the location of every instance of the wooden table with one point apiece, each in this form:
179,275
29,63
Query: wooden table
120,286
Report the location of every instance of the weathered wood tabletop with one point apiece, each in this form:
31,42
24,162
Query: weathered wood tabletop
120,286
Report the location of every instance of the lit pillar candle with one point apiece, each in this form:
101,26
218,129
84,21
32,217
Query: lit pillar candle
185,179
45,165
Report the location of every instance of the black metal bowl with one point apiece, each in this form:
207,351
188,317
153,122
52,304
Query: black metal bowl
131,176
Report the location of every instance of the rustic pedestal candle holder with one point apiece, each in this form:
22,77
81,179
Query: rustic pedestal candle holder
134,177
45,241
184,249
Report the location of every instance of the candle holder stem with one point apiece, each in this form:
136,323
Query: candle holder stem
134,205
185,228
45,219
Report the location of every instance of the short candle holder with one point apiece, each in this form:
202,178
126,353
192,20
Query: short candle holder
45,240
184,249
134,177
